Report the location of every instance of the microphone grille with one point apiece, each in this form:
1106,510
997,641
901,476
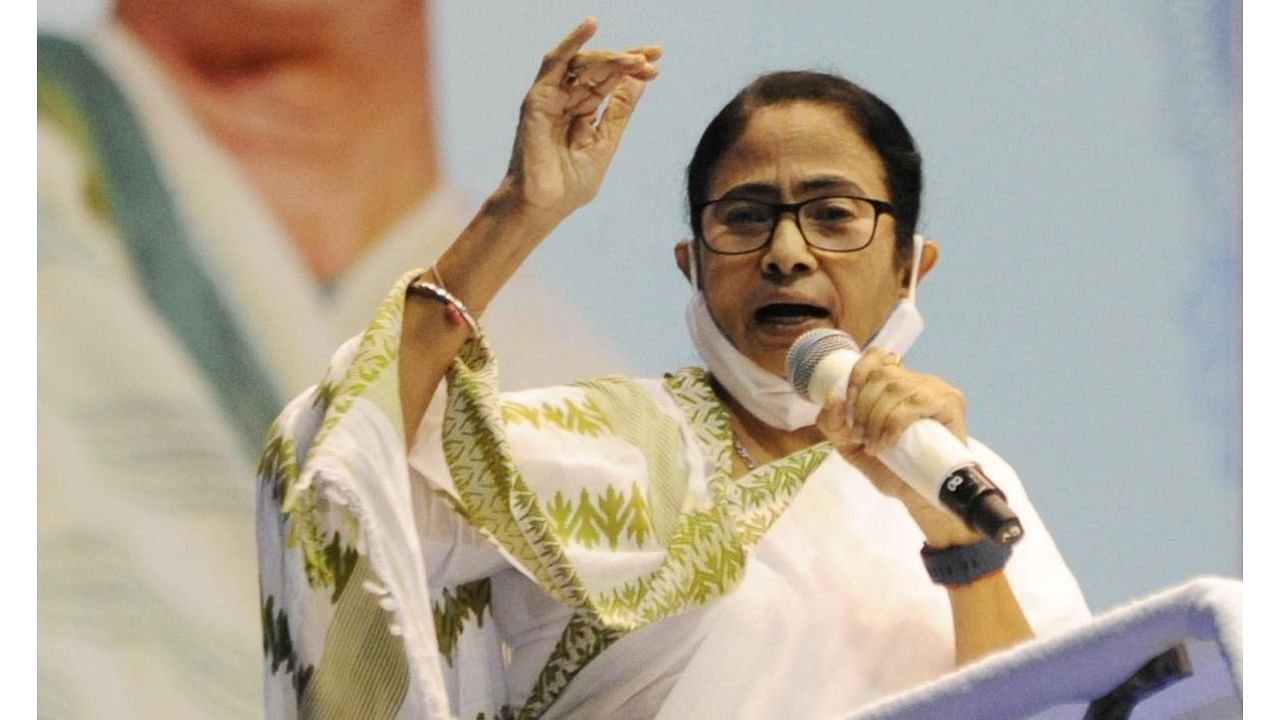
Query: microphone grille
810,349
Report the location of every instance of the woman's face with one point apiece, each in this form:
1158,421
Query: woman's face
766,299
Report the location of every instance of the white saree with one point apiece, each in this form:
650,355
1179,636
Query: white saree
583,551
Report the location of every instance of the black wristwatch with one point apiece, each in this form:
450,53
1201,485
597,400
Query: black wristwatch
962,564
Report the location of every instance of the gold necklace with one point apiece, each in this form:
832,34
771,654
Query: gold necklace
741,450
738,448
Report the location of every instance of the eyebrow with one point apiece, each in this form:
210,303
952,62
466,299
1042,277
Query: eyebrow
808,185
827,182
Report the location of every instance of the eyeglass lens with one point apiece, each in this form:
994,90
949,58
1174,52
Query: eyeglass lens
829,223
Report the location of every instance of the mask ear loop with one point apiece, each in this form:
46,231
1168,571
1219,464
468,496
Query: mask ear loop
694,275
917,250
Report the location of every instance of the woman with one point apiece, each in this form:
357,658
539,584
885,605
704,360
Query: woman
683,547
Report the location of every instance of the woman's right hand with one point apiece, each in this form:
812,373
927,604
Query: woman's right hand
561,152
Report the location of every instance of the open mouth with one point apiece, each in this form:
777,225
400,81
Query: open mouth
790,313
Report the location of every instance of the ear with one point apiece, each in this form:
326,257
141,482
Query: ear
928,256
682,250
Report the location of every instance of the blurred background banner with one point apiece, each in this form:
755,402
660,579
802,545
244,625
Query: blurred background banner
1082,178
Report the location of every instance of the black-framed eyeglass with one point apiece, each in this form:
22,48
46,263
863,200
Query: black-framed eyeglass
834,223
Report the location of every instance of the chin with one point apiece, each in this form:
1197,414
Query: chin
773,359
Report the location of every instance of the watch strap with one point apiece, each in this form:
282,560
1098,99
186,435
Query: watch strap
963,564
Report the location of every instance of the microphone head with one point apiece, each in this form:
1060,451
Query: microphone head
810,349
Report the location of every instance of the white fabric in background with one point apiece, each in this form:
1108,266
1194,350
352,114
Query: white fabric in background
147,577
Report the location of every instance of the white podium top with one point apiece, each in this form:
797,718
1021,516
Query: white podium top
1055,678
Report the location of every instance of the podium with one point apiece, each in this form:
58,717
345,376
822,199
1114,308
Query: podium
1177,654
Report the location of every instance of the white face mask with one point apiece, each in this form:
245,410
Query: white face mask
769,397
765,395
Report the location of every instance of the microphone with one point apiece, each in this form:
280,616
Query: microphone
927,456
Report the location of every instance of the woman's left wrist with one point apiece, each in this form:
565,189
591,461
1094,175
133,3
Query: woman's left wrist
963,565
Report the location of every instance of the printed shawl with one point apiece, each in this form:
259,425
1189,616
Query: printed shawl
356,623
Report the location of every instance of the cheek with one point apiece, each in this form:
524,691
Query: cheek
867,294
724,298
723,290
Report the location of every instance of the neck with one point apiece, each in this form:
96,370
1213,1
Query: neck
325,106
765,442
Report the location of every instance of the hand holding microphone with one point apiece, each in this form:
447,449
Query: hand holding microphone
926,456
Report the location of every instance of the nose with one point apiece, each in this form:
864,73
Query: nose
787,253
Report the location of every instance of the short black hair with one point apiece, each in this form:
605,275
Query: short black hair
877,122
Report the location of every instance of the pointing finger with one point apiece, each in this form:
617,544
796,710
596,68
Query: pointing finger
556,62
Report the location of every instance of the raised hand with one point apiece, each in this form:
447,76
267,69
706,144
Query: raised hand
563,146
562,149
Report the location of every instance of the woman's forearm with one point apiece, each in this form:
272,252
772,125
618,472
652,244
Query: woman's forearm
985,614
564,143
986,617
475,267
